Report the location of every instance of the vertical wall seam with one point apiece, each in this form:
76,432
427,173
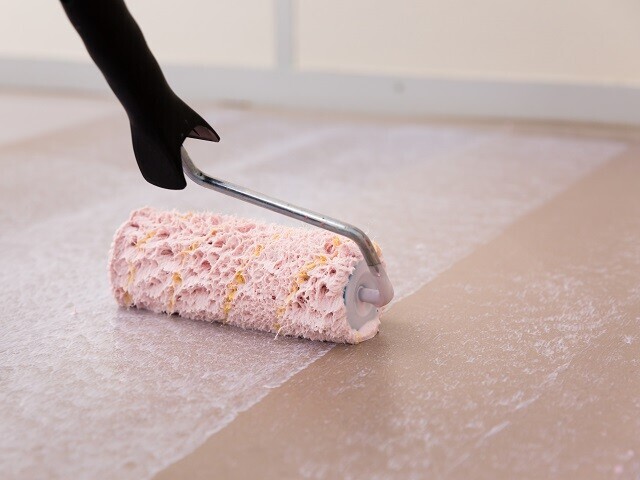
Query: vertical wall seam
284,34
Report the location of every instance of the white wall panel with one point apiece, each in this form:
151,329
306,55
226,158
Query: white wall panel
196,32
583,41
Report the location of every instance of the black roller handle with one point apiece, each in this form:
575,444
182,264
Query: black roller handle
160,120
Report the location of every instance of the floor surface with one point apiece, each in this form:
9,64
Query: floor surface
511,350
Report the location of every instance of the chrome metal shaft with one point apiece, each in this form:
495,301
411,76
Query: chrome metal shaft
322,221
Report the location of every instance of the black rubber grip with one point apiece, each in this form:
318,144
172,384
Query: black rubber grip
160,120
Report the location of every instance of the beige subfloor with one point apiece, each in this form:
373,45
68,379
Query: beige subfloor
513,351
521,361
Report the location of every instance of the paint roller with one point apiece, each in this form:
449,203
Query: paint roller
322,284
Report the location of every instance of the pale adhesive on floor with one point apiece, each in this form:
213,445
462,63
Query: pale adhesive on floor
253,275
92,390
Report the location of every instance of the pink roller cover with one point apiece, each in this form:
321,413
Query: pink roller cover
288,281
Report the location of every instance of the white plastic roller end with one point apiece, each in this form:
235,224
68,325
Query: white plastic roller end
368,289
382,294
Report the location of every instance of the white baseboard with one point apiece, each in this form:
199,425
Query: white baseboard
359,93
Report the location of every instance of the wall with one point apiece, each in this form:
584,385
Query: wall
582,41
562,59
197,32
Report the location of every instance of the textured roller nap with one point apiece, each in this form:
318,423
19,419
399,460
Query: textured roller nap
289,281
